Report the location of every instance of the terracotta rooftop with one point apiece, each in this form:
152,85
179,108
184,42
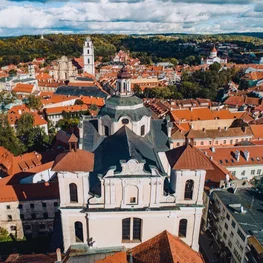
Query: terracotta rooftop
227,155
165,248
24,192
196,114
25,88
188,157
71,161
119,257
226,133
73,108
257,131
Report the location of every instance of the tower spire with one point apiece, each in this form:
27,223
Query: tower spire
123,83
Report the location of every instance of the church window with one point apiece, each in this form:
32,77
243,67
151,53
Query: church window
126,225
125,121
131,229
133,200
142,130
73,193
79,232
182,228
88,51
106,130
137,229
189,188
88,61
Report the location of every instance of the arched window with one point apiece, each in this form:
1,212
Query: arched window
79,232
131,229
182,228
189,188
106,130
88,51
124,87
143,130
73,192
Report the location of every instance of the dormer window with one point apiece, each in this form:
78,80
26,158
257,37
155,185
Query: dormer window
125,121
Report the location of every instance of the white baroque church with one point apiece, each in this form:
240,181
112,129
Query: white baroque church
124,184
213,58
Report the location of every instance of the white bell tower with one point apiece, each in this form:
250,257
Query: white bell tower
88,55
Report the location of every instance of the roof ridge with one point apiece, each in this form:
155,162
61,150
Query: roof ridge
170,248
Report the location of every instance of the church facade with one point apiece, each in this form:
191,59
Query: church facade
125,184
213,58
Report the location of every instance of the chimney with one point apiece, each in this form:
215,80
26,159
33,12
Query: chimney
203,129
225,128
241,209
59,258
237,155
246,154
219,128
244,128
213,149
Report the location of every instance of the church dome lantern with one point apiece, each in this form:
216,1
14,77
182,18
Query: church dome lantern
124,73
123,83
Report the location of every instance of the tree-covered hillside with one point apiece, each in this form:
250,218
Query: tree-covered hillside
148,48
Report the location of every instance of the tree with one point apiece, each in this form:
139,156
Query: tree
24,124
12,72
137,90
8,138
6,98
243,85
215,67
79,102
93,107
34,102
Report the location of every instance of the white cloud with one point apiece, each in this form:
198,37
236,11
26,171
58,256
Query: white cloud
136,16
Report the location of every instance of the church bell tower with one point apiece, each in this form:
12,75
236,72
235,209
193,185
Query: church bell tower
88,55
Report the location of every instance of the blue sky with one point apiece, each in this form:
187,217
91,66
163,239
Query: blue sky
18,17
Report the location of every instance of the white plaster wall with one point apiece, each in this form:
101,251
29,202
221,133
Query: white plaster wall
248,168
105,228
82,182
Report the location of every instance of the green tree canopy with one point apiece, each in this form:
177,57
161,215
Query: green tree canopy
34,102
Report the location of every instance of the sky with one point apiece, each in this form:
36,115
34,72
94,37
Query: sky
36,17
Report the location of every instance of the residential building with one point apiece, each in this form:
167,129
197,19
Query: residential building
244,162
237,223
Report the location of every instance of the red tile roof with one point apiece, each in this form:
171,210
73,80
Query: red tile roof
72,161
165,248
24,192
226,155
73,108
119,257
25,88
188,157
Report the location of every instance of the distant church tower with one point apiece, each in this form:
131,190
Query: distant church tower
88,55
31,70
